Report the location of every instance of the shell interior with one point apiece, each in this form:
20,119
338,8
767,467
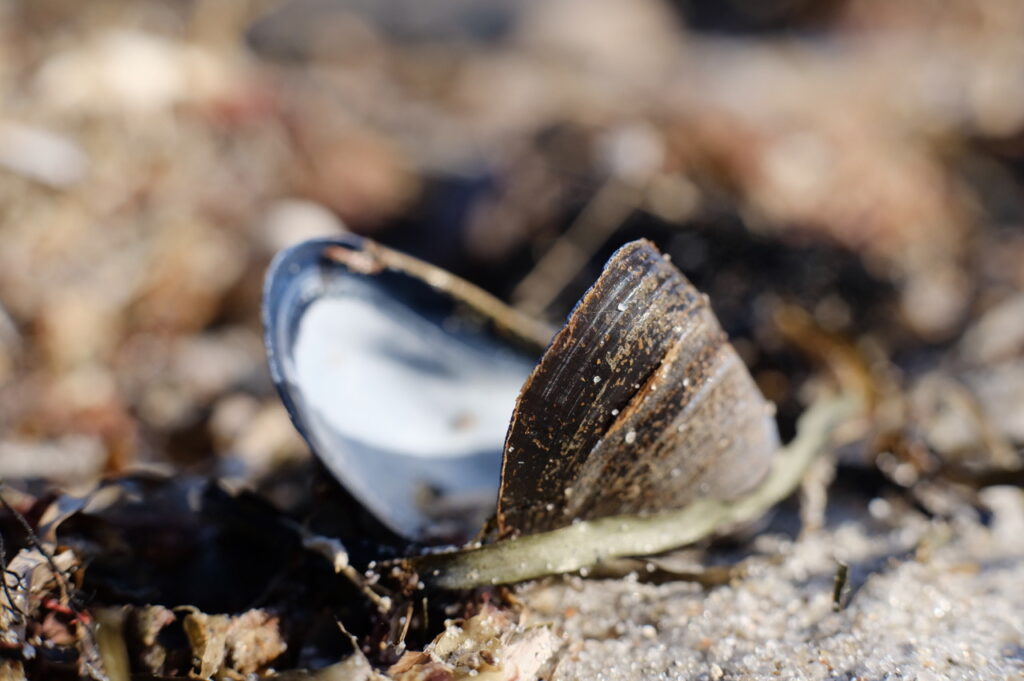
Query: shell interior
400,389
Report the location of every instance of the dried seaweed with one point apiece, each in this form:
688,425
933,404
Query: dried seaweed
587,543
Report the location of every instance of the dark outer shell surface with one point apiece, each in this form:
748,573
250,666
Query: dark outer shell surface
640,405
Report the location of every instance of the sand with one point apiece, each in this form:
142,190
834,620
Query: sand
928,599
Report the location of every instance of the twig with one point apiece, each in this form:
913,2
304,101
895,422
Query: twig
588,543
333,550
30,534
374,258
605,213
4,572
839,585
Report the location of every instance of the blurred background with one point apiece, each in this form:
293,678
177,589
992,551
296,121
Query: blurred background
837,174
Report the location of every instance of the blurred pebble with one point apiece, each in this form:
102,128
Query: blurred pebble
1007,505
1000,390
170,380
623,44
129,71
309,28
70,459
231,416
87,386
998,335
192,265
213,363
290,221
632,151
10,344
935,300
941,408
266,440
78,325
41,155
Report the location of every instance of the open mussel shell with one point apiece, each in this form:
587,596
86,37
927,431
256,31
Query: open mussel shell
400,376
403,378
640,405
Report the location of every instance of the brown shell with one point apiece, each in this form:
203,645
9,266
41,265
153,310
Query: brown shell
639,405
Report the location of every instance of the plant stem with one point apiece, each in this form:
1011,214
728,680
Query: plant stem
587,543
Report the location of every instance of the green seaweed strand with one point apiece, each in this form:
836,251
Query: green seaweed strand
585,544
